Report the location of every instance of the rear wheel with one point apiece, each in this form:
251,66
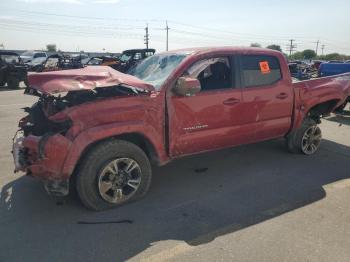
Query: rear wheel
112,174
306,139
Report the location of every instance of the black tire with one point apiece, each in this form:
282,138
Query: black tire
295,140
2,83
13,83
89,172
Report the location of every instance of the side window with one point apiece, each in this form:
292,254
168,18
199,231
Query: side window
213,73
137,56
260,70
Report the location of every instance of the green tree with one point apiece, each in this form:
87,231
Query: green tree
51,48
275,47
255,45
309,54
334,56
297,55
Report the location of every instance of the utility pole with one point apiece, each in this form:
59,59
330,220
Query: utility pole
322,49
146,37
318,41
167,35
291,47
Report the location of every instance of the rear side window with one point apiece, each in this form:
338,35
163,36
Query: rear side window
260,70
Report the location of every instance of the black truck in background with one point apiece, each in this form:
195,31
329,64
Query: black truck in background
12,70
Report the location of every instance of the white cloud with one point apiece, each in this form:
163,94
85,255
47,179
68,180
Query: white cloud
106,1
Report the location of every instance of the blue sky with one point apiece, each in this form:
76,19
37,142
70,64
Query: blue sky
115,25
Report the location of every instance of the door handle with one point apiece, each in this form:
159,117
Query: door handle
231,101
282,96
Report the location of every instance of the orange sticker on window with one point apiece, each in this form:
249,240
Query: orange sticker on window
264,67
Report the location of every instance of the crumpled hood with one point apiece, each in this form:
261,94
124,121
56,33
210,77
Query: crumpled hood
86,78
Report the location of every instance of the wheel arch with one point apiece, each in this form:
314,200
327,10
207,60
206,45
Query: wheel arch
322,109
133,137
315,112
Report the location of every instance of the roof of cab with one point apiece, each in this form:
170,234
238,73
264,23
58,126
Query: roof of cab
197,50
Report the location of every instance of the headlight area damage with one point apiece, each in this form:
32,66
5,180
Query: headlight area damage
43,141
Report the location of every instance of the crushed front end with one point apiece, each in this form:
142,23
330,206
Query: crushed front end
47,133
40,146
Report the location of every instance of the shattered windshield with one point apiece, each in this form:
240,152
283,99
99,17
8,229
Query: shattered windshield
156,69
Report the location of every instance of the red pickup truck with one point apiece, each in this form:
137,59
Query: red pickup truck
104,129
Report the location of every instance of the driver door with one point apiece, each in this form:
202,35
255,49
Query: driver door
211,118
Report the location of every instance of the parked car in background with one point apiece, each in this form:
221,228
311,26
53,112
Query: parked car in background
84,58
28,56
103,61
302,71
130,58
127,60
12,70
330,69
316,64
36,62
335,61
56,62
104,128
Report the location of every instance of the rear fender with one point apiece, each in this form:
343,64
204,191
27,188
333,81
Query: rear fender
304,109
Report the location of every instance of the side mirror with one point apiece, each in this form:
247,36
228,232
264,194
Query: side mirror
186,86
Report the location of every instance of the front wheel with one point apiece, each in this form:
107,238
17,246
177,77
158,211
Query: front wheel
113,173
306,139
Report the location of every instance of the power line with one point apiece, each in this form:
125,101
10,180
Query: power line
26,12
109,30
208,31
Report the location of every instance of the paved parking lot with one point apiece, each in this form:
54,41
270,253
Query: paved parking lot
251,203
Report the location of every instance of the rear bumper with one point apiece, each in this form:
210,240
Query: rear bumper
41,157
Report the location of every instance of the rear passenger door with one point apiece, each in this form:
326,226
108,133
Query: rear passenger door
267,96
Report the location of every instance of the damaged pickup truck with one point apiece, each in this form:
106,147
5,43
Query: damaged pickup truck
102,130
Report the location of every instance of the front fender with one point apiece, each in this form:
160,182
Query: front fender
99,133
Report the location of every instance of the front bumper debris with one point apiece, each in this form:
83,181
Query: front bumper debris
18,152
43,157
57,188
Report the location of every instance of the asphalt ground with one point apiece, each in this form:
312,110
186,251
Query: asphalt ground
249,203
